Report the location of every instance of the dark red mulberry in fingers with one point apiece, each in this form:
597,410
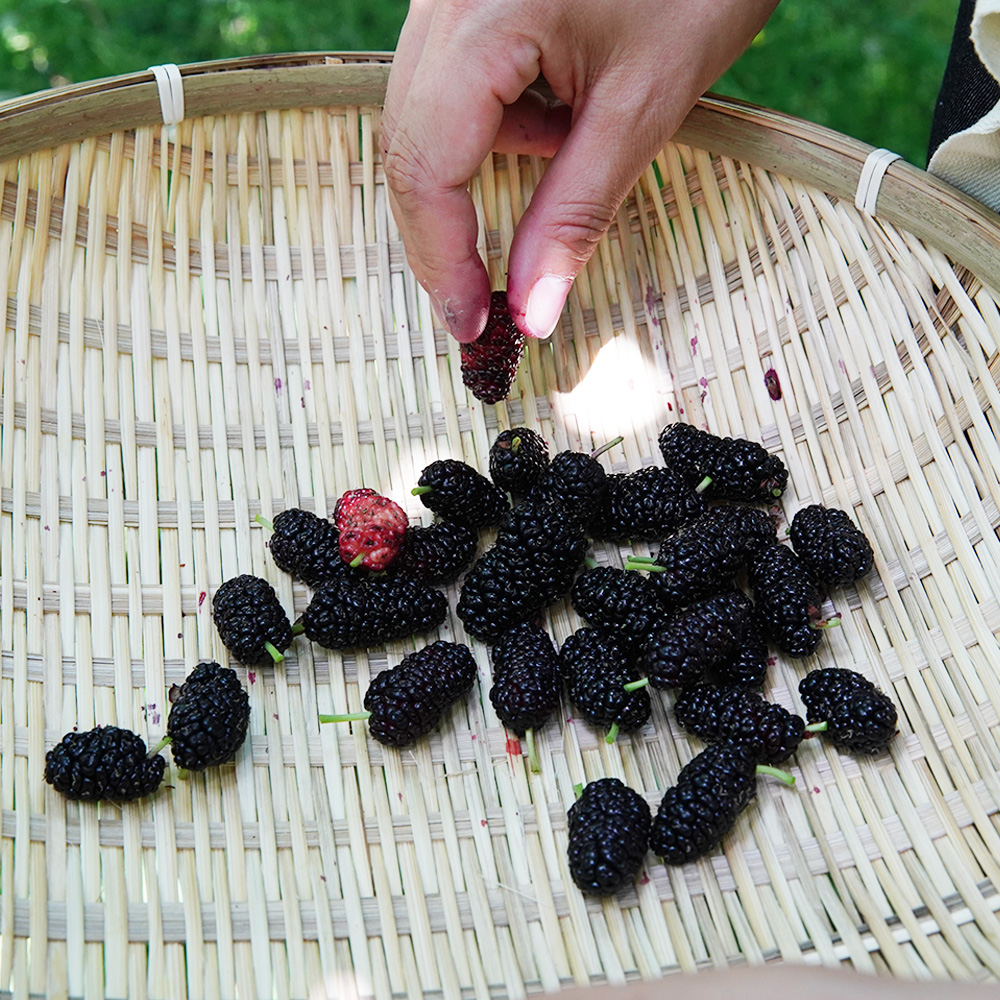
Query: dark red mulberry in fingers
252,623
849,710
517,460
608,836
489,363
103,763
457,492
209,717
831,545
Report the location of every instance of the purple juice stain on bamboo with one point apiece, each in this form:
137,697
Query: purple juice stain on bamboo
773,384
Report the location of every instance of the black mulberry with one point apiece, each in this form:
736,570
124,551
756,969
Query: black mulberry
787,598
457,492
731,713
646,505
614,598
608,836
344,613
527,678
858,716
209,716
306,546
435,553
725,468
517,459
694,815
575,481
103,763
831,545
252,623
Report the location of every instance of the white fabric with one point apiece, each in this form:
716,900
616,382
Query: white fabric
970,160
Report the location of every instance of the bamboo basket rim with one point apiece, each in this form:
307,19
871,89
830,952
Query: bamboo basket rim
909,197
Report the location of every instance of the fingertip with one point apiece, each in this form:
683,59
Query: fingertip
463,315
537,313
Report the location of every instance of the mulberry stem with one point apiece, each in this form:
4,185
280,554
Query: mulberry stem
260,519
776,772
418,491
612,733
515,443
703,485
347,717
635,685
652,567
159,746
357,560
274,652
828,623
298,628
597,452
529,738
641,559
817,727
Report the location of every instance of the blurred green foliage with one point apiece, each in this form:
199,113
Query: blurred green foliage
869,68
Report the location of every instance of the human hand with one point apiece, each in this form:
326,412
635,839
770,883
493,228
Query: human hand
626,75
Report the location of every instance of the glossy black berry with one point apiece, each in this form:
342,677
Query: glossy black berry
435,553
574,481
103,763
859,717
694,815
724,468
345,614
788,599
517,459
306,546
407,701
527,678
718,713
457,492
208,719
608,836
831,545
252,623
598,664
615,598
646,505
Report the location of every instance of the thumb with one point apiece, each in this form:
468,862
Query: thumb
607,149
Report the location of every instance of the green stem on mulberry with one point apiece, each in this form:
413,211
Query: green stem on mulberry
260,519
578,790
646,560
703,485
419,491
357,560
612,733
817,727
776,772
346,717
827,623
515,443
298,628
597,452
159,746
652,567
276,654
635,685
529,738
590,562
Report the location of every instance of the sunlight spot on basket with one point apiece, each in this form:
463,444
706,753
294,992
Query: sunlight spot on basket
341,985
620,392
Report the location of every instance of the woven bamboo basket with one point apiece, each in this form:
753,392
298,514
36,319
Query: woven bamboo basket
212,324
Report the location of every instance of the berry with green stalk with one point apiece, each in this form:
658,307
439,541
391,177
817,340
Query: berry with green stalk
527,682
517,459
407,701
371,529
105,763
575,481
600,668
711,791
849,711
251,622
723,468
457,492
304,545
608,836
208,718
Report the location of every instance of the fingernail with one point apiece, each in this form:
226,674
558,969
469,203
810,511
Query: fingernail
545,305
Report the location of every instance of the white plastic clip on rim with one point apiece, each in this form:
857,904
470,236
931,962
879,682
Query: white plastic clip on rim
171,89
871,179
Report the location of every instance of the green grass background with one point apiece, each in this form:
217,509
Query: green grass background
869,68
